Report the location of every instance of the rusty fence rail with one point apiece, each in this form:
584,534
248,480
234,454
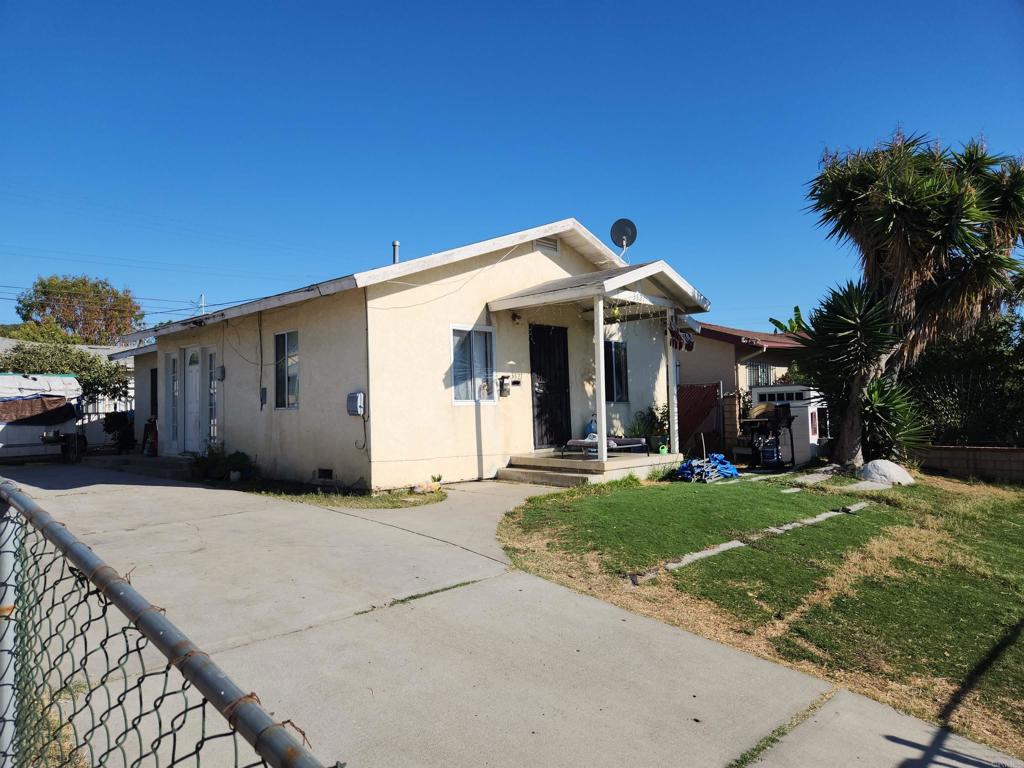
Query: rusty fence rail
93,674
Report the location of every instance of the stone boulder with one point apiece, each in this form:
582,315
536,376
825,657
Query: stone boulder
885,471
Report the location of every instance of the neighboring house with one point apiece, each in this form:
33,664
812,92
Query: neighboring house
443,365
145,387
93,411
734,360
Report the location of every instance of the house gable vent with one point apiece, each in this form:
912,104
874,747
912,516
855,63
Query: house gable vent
549,244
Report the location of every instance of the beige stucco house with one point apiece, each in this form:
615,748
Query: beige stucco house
463,359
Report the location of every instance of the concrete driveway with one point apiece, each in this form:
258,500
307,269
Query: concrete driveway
491,667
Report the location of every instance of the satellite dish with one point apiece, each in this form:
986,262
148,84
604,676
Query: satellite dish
623,234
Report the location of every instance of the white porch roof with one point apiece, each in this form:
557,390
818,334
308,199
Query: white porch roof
622,284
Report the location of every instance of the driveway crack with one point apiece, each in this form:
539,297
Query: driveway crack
410,530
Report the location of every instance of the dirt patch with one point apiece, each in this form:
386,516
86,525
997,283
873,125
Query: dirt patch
975,491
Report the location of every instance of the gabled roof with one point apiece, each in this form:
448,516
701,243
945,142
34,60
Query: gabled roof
614,283
569,230
765,339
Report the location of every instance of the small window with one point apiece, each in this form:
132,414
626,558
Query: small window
799,395
759,375
814,424
473,365
762,398
616,372
789,395
286,370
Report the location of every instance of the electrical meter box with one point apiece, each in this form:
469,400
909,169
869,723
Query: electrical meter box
356,403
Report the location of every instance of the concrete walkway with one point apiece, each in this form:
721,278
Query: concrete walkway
498,668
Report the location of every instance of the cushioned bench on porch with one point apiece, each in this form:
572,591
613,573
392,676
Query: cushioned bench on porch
627,444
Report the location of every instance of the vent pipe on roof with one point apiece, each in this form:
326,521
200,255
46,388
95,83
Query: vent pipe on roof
394,251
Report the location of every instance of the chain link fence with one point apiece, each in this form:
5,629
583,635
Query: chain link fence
93,674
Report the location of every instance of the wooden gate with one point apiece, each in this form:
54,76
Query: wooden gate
696,402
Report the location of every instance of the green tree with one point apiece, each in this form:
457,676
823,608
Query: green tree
46,332
98,376
792,325
937,232
89,308
968,386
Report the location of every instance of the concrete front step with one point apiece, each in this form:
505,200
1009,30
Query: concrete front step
165,467
543,477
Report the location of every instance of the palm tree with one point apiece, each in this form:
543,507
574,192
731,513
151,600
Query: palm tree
937,232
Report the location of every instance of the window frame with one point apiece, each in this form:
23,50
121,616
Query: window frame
173,383
760,365
494,356
298,373
610,369
211,392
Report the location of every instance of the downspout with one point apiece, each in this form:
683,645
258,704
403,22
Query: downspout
368,433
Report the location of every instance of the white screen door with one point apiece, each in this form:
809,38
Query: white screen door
193,403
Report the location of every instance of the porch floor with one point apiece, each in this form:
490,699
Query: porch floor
547,467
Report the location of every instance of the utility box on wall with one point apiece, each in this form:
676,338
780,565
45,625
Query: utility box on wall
356,403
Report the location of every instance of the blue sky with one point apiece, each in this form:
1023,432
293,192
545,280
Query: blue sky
239,149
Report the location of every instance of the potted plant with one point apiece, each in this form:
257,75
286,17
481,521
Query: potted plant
652,424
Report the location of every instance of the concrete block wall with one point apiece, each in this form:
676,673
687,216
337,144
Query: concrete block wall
999,464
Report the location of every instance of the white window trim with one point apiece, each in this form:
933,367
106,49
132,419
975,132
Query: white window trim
273,353
494,357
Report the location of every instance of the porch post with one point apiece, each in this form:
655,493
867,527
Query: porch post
599,397
673,387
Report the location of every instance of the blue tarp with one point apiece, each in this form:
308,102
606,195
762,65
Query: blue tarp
714,467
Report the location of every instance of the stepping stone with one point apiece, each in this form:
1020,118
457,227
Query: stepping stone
822,516
792,490
694,556
867,485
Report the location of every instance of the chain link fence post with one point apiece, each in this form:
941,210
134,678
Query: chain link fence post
10,545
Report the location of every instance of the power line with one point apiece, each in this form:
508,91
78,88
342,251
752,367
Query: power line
75,291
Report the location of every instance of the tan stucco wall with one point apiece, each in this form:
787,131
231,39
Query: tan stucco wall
417,431
291,443
709,362
143,395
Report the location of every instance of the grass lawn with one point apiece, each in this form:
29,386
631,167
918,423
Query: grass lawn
916,600
304,494
635,526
